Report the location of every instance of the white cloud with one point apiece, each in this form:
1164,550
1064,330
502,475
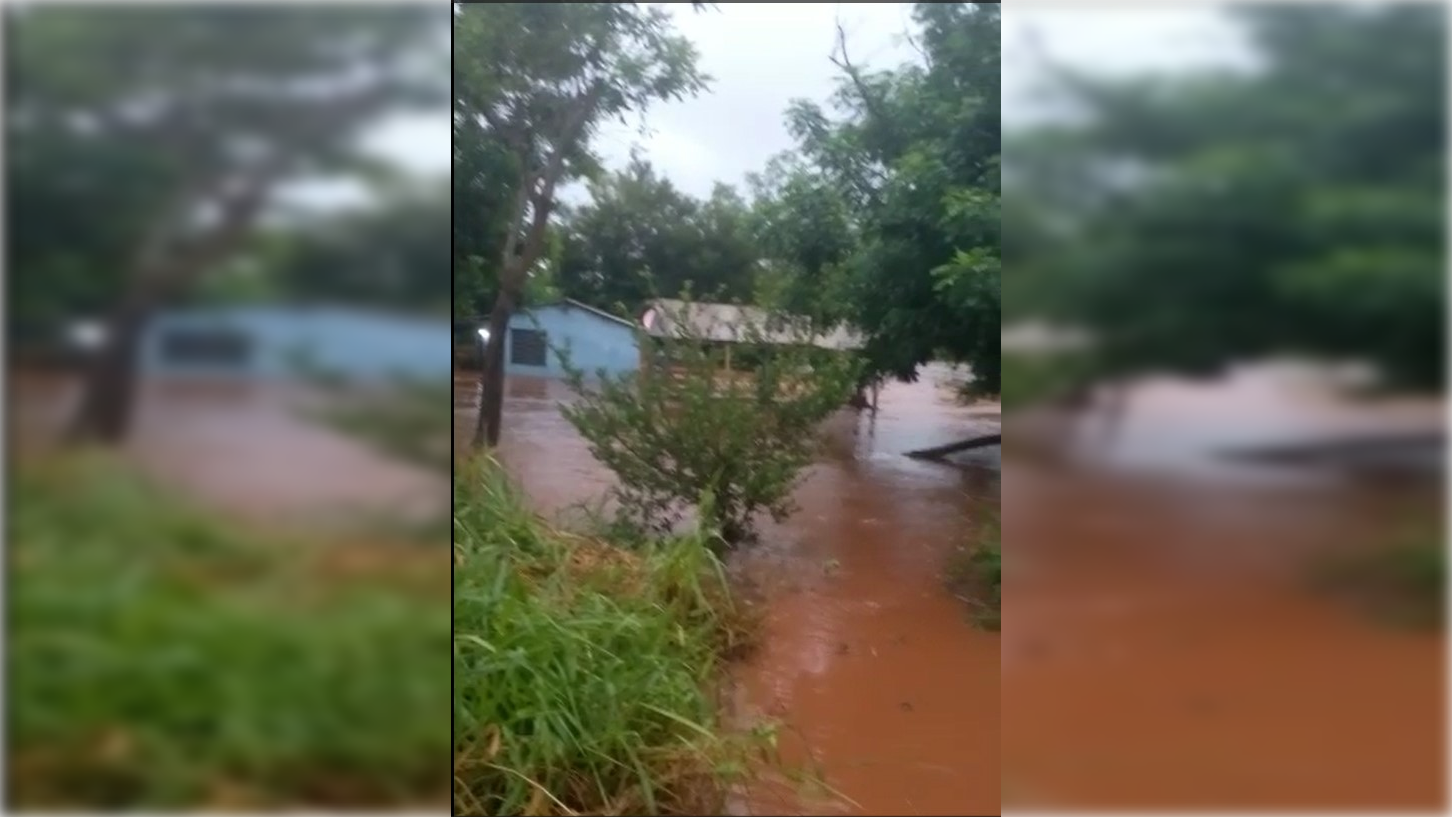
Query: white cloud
418,143
761,56
1116,41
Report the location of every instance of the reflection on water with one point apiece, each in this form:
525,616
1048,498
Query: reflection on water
1161,649
867,660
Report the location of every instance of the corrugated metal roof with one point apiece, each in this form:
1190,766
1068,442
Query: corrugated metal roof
732,323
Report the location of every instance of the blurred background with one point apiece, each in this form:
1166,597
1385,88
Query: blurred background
229,352
1224,365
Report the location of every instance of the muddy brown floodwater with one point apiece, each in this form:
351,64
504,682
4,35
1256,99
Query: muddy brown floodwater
1161,649
879,681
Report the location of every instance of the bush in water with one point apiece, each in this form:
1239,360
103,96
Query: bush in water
688,426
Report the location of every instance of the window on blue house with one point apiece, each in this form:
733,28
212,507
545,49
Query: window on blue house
206,347
528,347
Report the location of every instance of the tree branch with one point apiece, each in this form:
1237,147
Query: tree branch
984,441
517,258
521,206
160,265
869,100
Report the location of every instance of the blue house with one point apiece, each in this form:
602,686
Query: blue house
596,340
273,342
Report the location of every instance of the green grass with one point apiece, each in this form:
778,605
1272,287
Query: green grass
1403,583
585,674
160,659
975,576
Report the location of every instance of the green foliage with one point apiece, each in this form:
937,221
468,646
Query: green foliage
163,660
1403,582
532,84
805,230
685,431
584,675
76,206
911,172
123,123
975,575
392,255
1212,217
639,237
483,175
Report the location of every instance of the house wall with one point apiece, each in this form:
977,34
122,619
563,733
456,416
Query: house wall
595,342
357,344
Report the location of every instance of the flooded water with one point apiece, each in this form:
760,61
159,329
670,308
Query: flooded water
1161,648
247,449
880,682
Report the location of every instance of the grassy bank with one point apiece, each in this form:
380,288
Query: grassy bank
585,673
975,575
1403,583
161,659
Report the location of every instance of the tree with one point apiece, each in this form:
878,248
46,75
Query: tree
394,254
541,78
806,233
639,237
1296,206
482,182
914,162
74,205
219,105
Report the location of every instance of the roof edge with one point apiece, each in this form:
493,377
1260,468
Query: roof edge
594,310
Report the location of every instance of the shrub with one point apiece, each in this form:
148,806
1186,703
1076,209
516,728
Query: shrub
584,674
688,426
160,659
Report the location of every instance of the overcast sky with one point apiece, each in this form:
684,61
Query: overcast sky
764,55
761,56
1116,40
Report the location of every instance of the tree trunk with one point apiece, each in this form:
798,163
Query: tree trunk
954,448
108,392
488,424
